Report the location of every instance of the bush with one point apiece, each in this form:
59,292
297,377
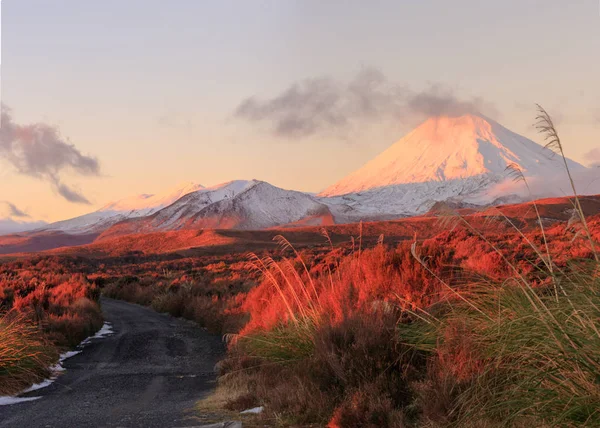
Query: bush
82,319
309,372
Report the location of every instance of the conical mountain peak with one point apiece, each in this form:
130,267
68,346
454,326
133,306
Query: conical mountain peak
447,148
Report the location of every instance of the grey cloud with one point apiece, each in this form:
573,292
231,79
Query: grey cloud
39,151
302,109
324,105
14,211
68,193
438,101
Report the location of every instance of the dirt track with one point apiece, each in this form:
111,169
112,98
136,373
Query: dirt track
149,373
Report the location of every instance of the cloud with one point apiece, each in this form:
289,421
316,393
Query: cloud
324,105
39,151
587,182
593,157
13,211
70,194
440,101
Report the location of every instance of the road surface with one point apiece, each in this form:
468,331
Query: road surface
149,373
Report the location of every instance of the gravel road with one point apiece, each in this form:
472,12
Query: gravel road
149,373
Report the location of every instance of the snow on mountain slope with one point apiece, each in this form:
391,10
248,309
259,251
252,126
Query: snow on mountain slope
146,204
445,158
446,149
132,207
195,202
235,205
259,206
403,200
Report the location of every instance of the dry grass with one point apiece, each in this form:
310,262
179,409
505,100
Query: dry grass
25,355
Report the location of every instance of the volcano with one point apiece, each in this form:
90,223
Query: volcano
444,158
445,149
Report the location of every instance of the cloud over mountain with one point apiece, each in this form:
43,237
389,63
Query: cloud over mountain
324,105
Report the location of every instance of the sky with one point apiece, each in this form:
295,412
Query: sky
136,96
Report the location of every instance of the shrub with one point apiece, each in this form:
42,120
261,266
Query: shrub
307,371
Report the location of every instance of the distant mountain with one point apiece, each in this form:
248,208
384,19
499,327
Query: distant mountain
237,204
114,212
8,225
444,158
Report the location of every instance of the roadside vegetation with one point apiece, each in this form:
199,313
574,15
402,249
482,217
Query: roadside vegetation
43,311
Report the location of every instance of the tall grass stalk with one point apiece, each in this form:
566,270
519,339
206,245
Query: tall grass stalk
545,125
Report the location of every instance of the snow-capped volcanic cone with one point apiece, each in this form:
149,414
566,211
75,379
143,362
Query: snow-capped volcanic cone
239,204
445,157
131,207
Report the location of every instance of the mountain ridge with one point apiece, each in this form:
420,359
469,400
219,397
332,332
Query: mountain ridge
461,160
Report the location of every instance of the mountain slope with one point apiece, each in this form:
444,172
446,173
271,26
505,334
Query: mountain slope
234,205
450,149
114,212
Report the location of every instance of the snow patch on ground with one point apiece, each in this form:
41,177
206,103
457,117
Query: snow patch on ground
106,330
253,411
7,401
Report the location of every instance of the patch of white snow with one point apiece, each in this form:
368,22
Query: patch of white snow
253,411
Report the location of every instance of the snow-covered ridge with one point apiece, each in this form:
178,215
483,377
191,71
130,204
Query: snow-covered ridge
459,159
114,212
409,199
240,204
196,201
145,203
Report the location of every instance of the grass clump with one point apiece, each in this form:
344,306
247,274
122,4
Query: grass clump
542,356
25,355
